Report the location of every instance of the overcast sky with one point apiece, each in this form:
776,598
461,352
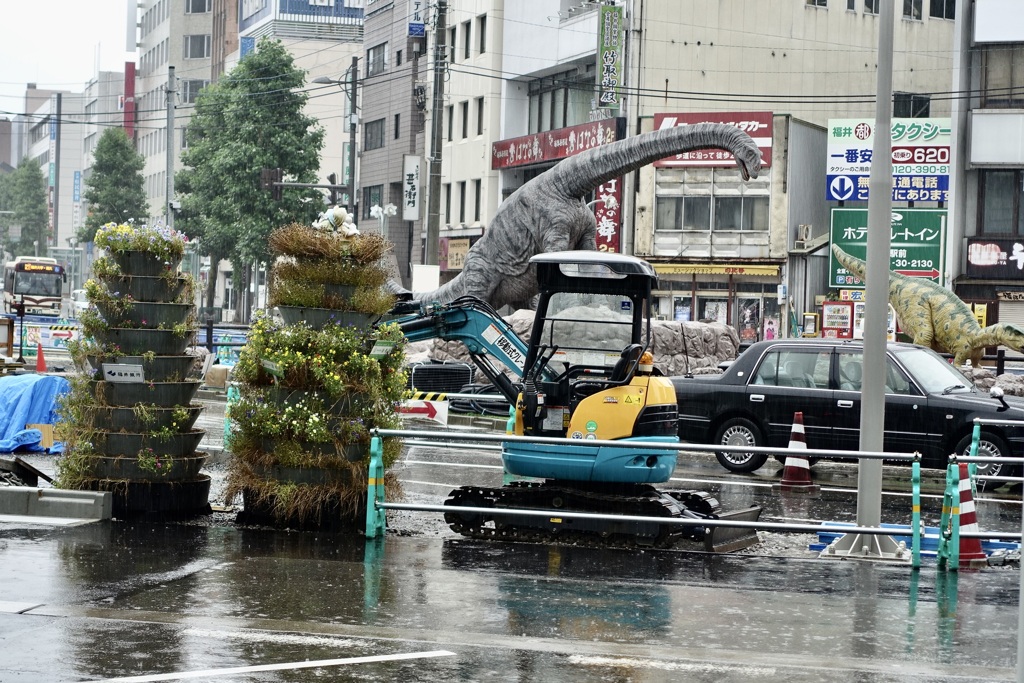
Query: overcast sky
57,44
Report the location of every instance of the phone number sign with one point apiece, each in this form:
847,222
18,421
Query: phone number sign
916,248
920,159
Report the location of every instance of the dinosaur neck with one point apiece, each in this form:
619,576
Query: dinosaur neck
851,263
581,173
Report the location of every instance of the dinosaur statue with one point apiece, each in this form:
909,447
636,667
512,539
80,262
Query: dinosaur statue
546,214
933,316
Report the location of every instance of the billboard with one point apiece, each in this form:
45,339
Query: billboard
916,249
995,258
609,55
756,124
920,159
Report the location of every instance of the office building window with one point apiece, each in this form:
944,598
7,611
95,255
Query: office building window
477,199
912,9
451,123
451,44
462,201
190,89
710,199
196,47
465,119
372,196
466,42
1000,206
943,9
375,59
398,127
479,116
373,137
817,3
481,33
447,203
1002,76
561,99
398,58
910,106
871,6
197,6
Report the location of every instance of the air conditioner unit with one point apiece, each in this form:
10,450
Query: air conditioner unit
803,232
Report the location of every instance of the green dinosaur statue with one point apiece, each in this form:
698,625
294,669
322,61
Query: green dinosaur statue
933,316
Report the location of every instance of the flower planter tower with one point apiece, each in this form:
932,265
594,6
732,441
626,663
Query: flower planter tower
128,421
314,385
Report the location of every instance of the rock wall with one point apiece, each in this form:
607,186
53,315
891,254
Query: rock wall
678,347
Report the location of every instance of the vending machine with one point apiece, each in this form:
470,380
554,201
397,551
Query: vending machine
858,321
837,319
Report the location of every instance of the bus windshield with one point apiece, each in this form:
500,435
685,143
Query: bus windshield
38,283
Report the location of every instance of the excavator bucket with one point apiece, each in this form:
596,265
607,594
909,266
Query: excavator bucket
728,539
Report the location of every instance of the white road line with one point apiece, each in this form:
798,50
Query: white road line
285,666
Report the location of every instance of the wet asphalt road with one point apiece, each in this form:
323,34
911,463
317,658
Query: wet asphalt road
216,602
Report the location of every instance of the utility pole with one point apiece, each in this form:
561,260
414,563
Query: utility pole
430,256
171,92
352,121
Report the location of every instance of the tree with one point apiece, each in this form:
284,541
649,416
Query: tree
6,213
28,201
249,120
115,188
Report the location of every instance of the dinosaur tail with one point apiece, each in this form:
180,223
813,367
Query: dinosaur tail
579,174
851,263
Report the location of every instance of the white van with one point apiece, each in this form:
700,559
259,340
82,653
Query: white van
79,302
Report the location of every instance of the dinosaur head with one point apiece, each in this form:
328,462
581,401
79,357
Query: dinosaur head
1012,336
748,159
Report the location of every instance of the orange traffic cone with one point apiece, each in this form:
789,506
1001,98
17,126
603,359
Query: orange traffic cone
796,476
971,554
40,360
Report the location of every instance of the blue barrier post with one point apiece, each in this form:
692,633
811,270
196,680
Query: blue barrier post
376,520
946,522
915,517
233,396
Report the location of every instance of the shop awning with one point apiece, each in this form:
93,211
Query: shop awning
761,269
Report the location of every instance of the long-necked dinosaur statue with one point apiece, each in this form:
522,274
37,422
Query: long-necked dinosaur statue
933,316
546,214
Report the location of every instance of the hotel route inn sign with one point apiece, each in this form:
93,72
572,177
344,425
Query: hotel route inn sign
916,250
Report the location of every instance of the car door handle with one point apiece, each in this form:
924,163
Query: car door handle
845,404
757,398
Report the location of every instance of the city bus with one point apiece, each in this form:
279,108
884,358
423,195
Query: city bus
36,281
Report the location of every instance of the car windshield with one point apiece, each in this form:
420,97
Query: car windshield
933,372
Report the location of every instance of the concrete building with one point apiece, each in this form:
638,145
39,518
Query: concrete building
986,255
747,254
174,33
54,140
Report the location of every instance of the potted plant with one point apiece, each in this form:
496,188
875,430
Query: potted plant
314,386
127,422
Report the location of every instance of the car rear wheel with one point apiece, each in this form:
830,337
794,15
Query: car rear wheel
989,446
740,432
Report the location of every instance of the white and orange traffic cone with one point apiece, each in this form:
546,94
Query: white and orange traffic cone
40,360
971,554
796,475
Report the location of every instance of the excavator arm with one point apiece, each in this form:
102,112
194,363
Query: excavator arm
480,329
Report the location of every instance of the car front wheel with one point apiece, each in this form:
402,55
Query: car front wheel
740,432
989,446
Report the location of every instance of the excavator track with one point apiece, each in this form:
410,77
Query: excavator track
638,500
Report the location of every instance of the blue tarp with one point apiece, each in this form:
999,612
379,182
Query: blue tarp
28,399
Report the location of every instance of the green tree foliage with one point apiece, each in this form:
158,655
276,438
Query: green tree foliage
249,120
114,189
6,205
28,201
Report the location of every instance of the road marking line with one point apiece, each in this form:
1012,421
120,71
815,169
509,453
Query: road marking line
286,666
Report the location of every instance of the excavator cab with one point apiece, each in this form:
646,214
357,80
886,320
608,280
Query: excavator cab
589,373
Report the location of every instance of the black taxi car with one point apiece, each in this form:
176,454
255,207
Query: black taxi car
929,404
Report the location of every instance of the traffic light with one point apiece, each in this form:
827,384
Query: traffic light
269,179
333,180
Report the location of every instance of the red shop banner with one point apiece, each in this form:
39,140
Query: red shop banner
557,144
